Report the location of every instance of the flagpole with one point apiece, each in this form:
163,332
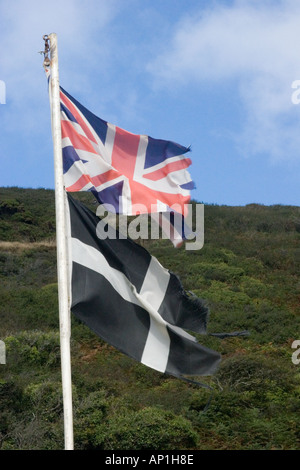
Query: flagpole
62,251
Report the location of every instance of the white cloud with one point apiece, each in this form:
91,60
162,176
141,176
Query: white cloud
82,36
81,32
257,45
81,29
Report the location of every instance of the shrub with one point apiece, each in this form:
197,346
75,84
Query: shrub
90,426
33,347
220,292
10,206
45,398
149,429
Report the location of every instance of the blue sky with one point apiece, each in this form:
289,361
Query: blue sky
216,75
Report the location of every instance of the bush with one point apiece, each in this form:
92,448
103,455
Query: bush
10,206
33,347
261,375
149,429
90,425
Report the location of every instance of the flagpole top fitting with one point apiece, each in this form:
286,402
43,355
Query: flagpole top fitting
46,51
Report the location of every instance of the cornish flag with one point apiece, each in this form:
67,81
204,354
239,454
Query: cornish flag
129,300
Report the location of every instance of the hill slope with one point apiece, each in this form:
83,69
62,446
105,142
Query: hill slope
248,272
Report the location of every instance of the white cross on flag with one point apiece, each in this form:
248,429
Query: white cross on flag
131,301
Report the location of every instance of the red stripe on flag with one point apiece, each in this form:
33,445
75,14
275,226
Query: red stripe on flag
125,152
105,177
79,141
143,196
77,116
80,183
169,168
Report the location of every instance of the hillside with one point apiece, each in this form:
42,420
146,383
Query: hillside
248,273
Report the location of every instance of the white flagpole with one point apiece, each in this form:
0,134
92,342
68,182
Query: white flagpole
62,250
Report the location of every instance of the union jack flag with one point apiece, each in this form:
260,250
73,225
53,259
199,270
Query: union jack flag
122,169
132,173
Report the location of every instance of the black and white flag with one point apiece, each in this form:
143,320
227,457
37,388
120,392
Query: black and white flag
132,302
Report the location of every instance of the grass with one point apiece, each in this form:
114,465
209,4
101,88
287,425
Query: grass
248,273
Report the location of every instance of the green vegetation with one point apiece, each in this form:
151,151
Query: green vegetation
248,272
